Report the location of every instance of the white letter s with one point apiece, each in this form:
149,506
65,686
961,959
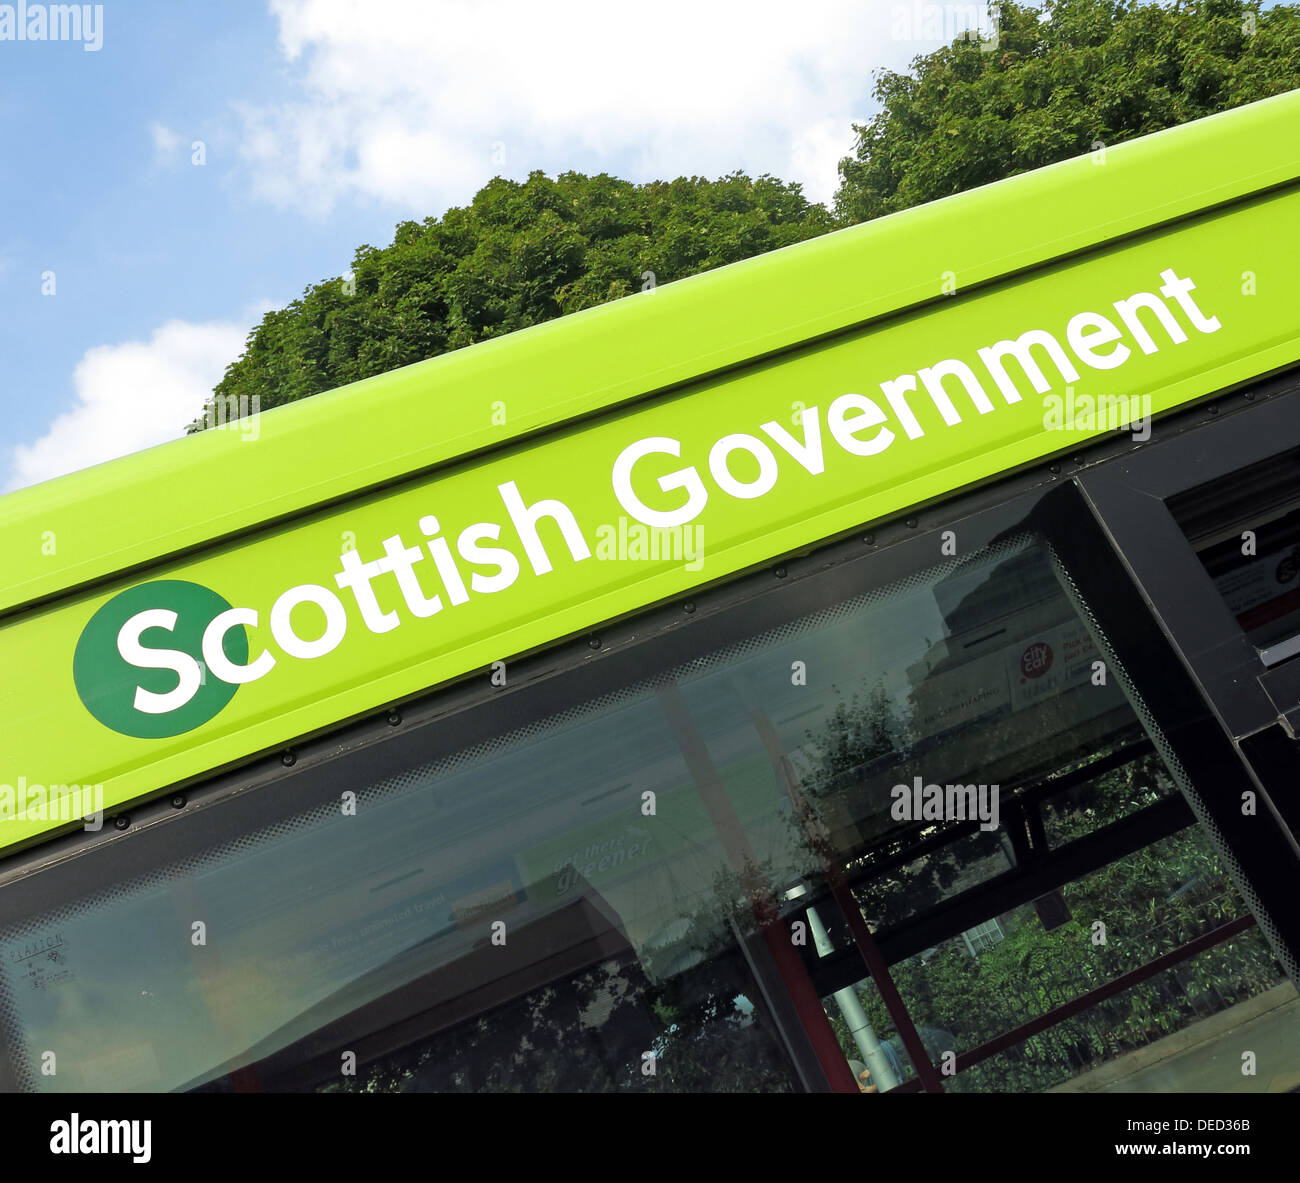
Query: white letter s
133,653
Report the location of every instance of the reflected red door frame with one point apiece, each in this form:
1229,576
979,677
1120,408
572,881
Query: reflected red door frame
866,943
766,910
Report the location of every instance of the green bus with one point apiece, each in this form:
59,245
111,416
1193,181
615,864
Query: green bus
873,666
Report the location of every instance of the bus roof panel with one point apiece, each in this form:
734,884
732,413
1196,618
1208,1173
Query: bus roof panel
183,495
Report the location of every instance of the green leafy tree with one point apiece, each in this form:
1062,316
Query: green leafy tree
1150,902
520,253
1057,82
1081,73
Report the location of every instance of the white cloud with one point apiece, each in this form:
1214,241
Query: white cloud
165,141
816,153
131,396
405,102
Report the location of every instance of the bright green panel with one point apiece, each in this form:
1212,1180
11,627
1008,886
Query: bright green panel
92,524
1241,260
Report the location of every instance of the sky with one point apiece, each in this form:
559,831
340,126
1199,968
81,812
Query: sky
185,167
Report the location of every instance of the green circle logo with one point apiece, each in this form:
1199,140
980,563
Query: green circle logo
139,664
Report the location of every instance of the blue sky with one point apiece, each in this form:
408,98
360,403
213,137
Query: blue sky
137,236
322,124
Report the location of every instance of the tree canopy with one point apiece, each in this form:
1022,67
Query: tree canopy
520,253
1081,73
1057,82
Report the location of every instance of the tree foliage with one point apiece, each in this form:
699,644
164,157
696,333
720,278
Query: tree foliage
1149,902
1084,72
1080,73
520,253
